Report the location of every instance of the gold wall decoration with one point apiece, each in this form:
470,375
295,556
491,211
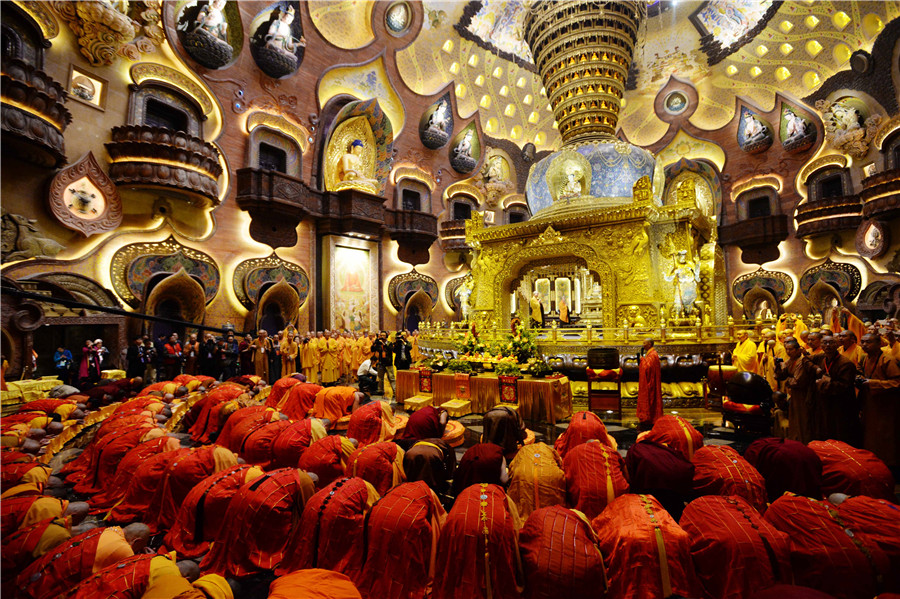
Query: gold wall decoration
83,198
341,147
887,127
285,297
182,288
838,160
296,132
21,239
755,182
108,30
642,191
41,13
638,315
848,126
148,71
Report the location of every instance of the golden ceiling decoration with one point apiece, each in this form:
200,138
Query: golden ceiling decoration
347,24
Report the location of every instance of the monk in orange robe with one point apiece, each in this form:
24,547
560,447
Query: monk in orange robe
595,476
300,400
205,509
116,486
332,521
23,511
333,403
536,479
327,458
648,555
143,487
314,583
261,517
649,400
206,422
257,445
372,423
736,552
290,443
78,558
309,358
852,471
720,470
478,554
677,433
329,350
380,464
829,553
25,545
280,390
560,555
402,532
583,426
108,453
180,477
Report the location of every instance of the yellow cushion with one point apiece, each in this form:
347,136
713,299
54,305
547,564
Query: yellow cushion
458,408
417,402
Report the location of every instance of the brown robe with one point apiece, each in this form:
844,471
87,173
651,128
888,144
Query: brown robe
838,409
799,379
881,407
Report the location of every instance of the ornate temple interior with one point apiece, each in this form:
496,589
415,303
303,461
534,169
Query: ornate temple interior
688,171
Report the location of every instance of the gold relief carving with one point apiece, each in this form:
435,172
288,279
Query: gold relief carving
687,191
124,256
843,128
107,30
465,188
149,71
416,173
83,198
350,157
495,178
21,239
569,176
296,132
838,160
40,12
638,315
767,181
642,190
549,236
886,129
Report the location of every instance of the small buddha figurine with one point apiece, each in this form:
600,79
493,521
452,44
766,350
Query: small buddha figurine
464,148
572,187
439,119
212,20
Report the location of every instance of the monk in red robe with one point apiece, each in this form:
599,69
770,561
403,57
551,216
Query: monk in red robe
380,464
402,533
314,583
536,479
25,545
595,476
261,518
242,422
78,558
827,552
648,555
180,477
143,487
278,394
477,555
852,471
293,440
735,551
720,470
206,423
426,423
583,427
257,446
677,433
877,519
787,466
25,510
300,400
560,555
372,423
205,509
327,458
432,461
108,453
84,466
659,470
649,400
332,522
482,463
503,426
115,487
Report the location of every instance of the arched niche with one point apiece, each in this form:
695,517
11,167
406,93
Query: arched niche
271,150
161,105
177,294
417,309
757,202
278,307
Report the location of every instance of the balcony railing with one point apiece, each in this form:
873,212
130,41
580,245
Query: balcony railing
763,230
158,157
453,235
260,189
881,194
34,114
828,215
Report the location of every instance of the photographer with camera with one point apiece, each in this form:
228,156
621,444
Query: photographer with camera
383,358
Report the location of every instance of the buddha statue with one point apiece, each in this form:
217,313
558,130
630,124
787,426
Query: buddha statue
211,19
280,37
352,166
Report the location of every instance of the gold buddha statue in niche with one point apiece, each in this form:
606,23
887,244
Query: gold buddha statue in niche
351,157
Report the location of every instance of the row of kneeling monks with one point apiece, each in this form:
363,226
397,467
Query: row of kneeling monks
384,511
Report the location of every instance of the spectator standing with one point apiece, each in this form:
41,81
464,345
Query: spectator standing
173,357
89,370
246,350
229,357
102,355
191,354
149,353
134,358
383,356
402,351
62,364
207,361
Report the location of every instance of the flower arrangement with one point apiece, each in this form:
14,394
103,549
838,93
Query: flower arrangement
437,363
538,369
471,344
459,366
522,344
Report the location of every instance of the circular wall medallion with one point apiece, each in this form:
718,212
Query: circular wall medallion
397,18
675,103
872,239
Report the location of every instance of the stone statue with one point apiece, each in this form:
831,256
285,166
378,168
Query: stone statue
463,293
572,187
685,276
763,312
754,130
794,126
212,20
280,37
352,165
439,119
21,239
845,117
464,148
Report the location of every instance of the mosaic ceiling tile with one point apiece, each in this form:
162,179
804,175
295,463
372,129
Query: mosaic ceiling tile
345,23
365,82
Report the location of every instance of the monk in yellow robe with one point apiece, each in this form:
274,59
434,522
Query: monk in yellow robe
356,351
261,348
415,354
309,358
850,349
744,355
290,349
330,359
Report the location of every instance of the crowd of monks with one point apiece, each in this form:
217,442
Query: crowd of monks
837,383
196,489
